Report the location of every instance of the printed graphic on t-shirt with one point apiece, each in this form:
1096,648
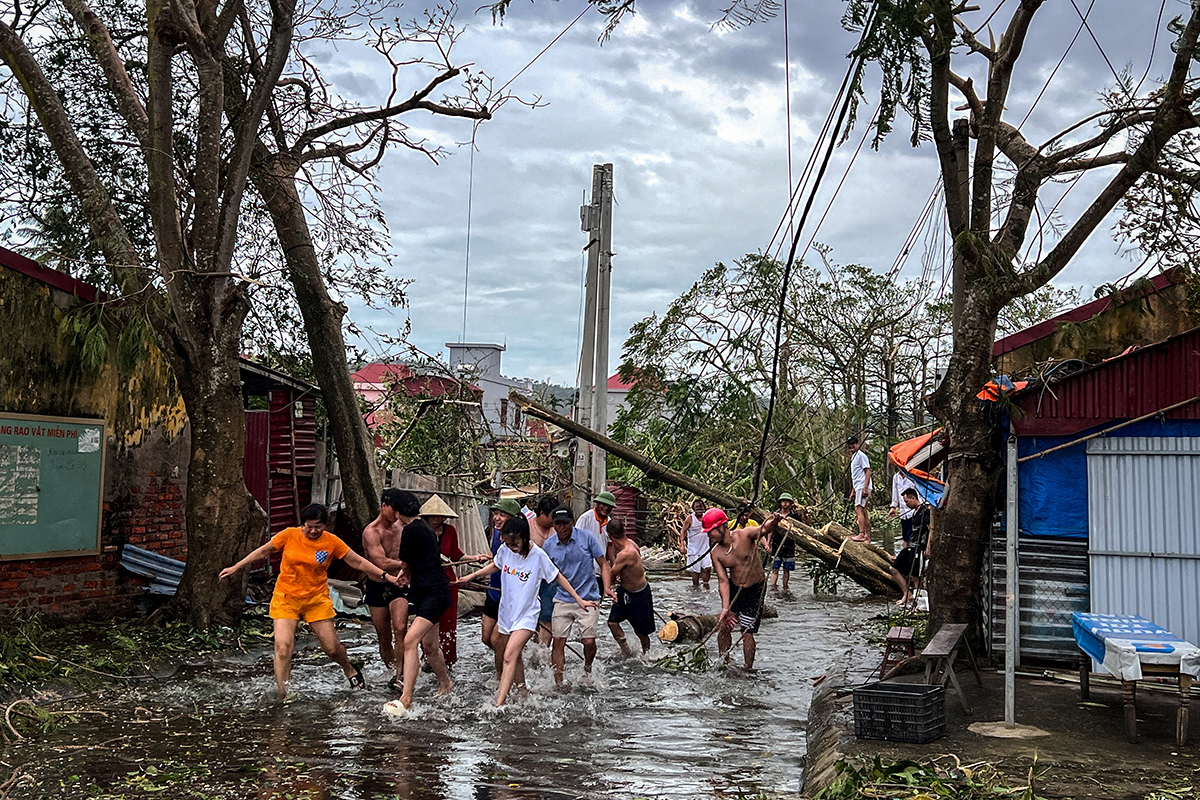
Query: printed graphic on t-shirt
519,575
322,556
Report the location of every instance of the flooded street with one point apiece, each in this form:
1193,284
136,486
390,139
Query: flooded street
640,731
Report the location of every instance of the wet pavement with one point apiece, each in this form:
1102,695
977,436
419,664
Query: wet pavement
640,731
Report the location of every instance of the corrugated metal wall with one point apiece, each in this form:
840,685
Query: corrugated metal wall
291,457
1144,525
1053,583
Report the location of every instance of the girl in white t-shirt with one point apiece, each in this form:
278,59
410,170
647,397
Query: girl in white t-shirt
522,566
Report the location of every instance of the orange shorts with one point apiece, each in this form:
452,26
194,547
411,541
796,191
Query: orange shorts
310,609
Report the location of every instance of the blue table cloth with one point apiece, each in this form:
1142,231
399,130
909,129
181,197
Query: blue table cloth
1123,642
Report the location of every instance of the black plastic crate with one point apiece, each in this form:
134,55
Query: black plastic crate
900,712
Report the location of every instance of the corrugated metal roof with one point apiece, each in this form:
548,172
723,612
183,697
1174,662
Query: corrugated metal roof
1126,387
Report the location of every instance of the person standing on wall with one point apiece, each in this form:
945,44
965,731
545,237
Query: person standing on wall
860,487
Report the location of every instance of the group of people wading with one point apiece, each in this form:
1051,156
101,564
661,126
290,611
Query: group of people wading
548,572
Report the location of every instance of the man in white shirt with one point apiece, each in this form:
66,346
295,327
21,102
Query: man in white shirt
860,487
596,520
900,482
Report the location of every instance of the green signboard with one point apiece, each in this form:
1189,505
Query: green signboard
51,486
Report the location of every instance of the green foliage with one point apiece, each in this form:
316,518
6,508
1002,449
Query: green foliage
854,341
892,35
927,780
92,326
693,659
824,578
33,650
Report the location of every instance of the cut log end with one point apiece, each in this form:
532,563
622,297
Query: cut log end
669,632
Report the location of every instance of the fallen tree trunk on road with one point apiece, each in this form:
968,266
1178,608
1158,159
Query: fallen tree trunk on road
865,564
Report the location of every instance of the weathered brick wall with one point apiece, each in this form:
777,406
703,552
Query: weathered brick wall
145,453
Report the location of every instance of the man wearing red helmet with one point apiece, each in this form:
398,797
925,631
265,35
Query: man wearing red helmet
740,578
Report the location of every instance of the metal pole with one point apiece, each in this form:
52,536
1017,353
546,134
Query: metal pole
1011,569
590,223
603,306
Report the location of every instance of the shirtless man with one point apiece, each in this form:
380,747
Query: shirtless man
694,546
741,580
633,602
388,603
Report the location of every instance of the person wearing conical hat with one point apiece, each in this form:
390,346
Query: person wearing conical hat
596,520
436,511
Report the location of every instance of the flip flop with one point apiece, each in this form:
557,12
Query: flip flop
356,680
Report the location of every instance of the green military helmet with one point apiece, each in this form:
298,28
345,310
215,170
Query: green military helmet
508,506
786,496
607,498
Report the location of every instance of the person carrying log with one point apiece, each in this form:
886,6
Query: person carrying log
741,580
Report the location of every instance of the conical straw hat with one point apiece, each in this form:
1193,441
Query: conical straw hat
437,507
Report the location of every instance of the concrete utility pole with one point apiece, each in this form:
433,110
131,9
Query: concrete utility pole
591,408
603,308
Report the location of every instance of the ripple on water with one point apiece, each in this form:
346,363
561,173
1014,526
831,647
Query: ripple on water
636,730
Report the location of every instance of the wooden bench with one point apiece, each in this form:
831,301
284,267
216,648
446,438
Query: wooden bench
939,656
899,648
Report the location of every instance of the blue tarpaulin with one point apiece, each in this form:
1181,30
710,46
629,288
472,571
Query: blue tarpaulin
1053,489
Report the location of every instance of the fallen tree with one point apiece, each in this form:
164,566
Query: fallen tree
865,564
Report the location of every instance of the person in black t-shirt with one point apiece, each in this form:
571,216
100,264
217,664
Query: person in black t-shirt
428,595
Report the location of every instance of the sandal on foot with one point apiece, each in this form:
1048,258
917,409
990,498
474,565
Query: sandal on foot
393,683
356,680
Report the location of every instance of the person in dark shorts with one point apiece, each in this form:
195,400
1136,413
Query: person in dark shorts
909,564
634,602
428,595
741,580
388,603
783,547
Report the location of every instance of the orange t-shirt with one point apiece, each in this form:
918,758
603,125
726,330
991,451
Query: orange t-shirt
305,565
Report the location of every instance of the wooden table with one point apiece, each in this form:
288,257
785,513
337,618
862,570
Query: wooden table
1133,648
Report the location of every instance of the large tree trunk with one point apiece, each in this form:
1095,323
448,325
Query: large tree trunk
865,564
973,466
274,177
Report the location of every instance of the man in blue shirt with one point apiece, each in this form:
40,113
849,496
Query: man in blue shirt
578,555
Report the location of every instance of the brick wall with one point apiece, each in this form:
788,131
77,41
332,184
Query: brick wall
149,515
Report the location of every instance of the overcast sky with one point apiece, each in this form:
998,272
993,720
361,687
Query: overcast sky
694,121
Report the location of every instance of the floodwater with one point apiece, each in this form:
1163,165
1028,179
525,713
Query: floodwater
639,732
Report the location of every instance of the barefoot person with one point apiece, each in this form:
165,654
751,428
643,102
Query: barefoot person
522,566
428,595
577,554
783,547
633,601
388,603
740,579
302,590
860,487
694,546
909,564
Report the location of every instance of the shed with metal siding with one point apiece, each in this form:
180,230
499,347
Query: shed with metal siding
1101,494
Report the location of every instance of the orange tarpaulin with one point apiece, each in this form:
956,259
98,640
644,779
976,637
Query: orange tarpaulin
917,456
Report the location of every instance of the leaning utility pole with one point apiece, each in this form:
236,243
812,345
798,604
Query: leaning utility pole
591,408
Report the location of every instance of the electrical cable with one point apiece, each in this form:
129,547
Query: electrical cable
758,470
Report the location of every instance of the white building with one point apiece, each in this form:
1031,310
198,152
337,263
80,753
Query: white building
479,363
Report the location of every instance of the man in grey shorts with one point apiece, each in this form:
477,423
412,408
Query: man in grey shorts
578,554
